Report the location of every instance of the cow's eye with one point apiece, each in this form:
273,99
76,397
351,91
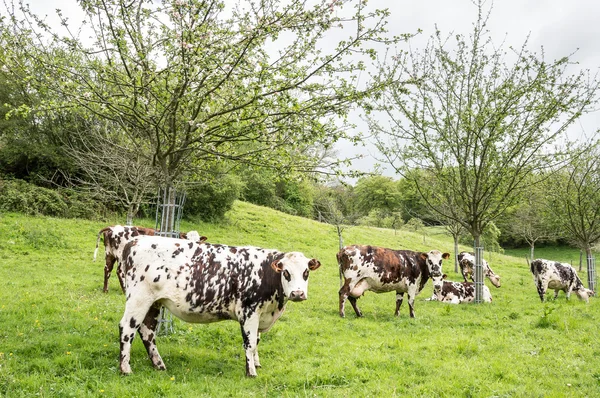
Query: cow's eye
305,275
286,275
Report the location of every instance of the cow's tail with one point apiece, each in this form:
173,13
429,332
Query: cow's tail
102,231
340,258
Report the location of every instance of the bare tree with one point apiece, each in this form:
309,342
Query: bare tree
478,124
531,221
112,172
575,202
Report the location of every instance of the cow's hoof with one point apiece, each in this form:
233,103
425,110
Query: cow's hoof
251,375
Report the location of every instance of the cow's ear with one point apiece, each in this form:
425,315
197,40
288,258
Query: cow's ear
277,266
424,256
202,239
446,256
444,276
313,264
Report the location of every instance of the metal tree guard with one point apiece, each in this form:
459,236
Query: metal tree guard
479,274
168,218
591,266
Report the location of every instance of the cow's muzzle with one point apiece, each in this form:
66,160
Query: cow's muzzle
297,295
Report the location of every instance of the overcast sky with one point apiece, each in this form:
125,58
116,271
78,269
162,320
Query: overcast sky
560,26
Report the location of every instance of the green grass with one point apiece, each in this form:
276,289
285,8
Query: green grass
59,332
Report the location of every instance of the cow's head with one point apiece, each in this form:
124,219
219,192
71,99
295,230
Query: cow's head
434,265
584,294
294,268
494,278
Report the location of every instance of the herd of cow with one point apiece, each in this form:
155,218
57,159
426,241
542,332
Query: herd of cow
202,283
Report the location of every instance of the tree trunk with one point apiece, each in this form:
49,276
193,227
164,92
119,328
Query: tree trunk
340,238
455,253
531,246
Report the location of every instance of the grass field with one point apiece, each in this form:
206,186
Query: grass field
59,332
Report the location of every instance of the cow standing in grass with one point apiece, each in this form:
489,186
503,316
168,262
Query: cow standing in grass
558,276
115,239
466,261
203,283
383,270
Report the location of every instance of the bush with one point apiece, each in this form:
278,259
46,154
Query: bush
260,189
209,201
22,197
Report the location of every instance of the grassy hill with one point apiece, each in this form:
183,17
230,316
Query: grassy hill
59,332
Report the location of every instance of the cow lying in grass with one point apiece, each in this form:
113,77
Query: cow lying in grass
558,276
205,283
115,238
460,292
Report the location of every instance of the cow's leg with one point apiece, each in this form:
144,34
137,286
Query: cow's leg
121,275
108,267
147,333
344,292
412,293
256,361
541,290
399,299
567,292
355,293
353,301
135,313
250,337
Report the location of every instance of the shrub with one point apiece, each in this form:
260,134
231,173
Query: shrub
210,201
20,196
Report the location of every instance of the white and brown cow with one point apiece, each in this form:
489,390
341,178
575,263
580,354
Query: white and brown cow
460,292
558,276
203,283
466,261
115,238
382,270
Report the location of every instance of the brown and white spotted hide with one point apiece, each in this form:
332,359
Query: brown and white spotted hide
382,270
203,283
460,292
115,238
558,276
466,261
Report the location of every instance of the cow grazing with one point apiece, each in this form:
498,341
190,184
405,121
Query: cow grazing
558,276
382,270
466,261
460,292
115,238
205,283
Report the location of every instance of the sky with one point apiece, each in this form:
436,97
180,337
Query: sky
560,26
